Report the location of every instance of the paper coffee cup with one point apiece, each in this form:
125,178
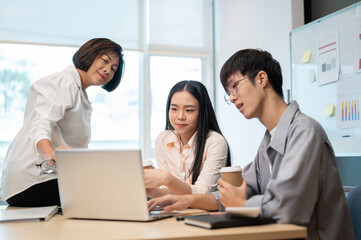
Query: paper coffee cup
232,175
148,164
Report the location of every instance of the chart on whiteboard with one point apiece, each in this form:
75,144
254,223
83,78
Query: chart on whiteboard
348,101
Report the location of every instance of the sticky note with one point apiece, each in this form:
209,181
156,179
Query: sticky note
306,56
329,111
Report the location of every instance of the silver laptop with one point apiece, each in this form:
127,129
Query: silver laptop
103,184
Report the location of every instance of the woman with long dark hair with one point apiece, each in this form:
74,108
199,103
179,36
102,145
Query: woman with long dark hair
191,150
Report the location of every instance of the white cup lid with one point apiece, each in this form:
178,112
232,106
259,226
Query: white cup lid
231,169
147,163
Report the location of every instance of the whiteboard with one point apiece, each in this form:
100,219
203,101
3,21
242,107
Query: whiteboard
313,98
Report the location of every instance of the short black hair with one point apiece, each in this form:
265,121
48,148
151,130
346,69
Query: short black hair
249,62
94,48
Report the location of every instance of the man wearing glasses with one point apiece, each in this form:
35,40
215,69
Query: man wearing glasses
294,177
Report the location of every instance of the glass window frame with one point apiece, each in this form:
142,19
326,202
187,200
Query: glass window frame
208,72
207,80
146,51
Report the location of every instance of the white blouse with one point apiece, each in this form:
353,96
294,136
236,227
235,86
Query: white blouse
178,160
57,109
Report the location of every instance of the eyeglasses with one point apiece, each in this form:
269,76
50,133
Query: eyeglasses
47,166
232,90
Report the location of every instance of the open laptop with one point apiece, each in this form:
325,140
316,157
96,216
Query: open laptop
103,184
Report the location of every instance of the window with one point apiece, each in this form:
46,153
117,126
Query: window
181,25
179,48
115,118
69,22
164,73
21,65
165,41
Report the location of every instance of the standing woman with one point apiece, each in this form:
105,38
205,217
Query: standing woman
57,115
192,150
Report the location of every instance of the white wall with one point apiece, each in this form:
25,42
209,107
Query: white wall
251,24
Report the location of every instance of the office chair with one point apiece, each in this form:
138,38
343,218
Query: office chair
354,204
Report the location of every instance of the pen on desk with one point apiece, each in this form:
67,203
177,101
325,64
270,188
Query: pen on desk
181,217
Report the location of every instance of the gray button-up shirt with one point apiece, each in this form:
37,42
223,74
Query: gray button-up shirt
304,186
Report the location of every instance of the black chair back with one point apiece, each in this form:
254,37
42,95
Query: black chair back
354,204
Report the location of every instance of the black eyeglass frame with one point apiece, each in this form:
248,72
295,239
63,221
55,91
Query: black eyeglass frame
232,92
47,166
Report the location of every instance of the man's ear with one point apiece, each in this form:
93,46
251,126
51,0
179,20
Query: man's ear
262,78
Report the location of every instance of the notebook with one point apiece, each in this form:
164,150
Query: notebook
28,214
213,221
103,184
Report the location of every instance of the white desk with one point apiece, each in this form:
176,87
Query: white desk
59,227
